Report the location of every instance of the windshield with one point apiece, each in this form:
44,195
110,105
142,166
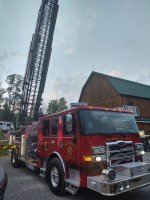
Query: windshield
95,122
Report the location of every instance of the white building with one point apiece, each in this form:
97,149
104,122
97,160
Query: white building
6,126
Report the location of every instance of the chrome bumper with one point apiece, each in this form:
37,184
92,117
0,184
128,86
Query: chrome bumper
120,185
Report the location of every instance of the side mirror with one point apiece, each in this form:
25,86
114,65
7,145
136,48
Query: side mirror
69,122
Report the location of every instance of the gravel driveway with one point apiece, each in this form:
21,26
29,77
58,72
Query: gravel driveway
23,184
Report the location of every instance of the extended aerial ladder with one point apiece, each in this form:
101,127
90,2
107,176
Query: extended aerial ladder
38,61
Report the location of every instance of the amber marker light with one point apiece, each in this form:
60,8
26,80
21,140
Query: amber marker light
87,158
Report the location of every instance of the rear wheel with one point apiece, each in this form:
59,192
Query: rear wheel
14,159
56,177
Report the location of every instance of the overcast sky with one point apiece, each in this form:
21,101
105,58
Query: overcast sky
106,36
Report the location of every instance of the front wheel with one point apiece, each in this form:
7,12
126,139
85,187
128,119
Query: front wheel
56,177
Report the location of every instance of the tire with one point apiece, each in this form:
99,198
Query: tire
56,177
14,159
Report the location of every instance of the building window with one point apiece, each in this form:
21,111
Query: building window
130,103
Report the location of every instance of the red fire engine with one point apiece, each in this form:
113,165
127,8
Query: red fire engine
90,147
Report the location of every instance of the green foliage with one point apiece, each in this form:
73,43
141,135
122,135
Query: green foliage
57,105
9,105
3,152
7,115
2,92
14,90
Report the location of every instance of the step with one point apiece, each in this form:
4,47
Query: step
72,185
75,181
30,165
43,169
42,172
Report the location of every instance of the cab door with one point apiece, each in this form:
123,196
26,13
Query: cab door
44,146
70,139
64,138
56,134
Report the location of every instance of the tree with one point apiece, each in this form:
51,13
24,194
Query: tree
57,105
2,92
7,115
14,90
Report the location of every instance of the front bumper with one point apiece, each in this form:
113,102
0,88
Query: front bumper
120,185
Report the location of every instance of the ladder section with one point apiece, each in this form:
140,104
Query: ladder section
38,61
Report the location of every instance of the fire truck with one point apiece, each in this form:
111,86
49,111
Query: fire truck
84,146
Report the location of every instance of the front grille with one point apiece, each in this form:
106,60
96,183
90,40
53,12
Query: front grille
119,152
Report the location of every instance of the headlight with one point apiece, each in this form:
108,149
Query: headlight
139,146
109,174
121,186
127,184
140,152
139,149
98,158
94,158
98,150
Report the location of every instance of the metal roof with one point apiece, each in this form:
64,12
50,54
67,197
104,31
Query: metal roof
125,87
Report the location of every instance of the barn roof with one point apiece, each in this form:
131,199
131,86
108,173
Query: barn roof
124,87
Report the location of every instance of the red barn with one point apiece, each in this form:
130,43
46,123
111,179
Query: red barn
108,91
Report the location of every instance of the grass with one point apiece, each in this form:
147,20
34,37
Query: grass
3,152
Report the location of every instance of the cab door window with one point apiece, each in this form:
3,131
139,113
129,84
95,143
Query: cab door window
46,128
69,124
55,121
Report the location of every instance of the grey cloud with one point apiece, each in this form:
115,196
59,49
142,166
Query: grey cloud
6,55
70,87
128,44
3,56
143,78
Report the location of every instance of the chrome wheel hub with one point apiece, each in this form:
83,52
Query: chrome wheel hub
54,176
13,159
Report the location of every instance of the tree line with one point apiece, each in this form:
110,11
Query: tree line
10,99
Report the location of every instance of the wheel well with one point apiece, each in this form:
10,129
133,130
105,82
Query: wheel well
55,155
